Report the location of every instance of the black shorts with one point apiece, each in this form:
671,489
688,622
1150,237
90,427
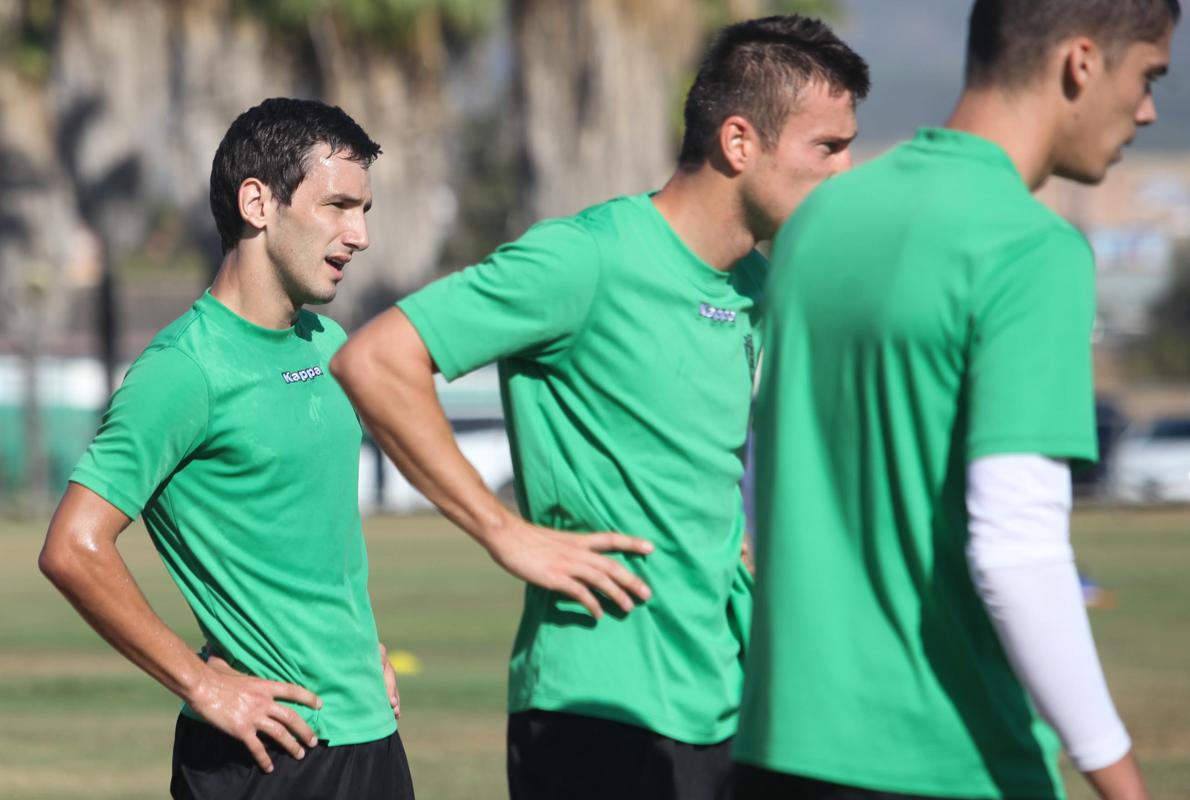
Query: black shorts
754,783
210,765
558,756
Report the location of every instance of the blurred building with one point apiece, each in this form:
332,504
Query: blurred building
1134,221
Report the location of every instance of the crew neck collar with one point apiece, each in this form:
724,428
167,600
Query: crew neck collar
209,304
964,144
697,271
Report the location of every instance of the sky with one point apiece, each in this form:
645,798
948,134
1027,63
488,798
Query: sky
915,51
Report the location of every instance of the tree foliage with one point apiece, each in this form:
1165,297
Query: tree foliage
26,37
382,22
721,12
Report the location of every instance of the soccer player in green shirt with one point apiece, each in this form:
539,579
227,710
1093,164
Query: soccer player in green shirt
627,342
927,380
241,453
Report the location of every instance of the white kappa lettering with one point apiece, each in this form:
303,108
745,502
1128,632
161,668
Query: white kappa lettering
301,375
708,311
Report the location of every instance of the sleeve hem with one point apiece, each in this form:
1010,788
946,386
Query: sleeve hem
443,358
126,505
1102,753
1077,449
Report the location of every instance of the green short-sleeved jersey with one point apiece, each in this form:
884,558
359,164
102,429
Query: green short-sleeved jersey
926,311
626,367
242,453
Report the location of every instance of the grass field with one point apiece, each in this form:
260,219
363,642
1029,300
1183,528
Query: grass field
77,721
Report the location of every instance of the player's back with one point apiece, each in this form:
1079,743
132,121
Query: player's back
873,662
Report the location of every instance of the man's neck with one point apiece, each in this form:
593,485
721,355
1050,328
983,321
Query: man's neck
251,290
1021,124
704,211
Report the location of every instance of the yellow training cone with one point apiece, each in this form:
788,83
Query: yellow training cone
404,662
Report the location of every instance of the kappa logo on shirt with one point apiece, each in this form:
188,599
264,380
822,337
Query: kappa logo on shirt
302,375
724,315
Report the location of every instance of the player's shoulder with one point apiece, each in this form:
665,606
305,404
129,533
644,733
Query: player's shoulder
181,332
179,346
170,363
612,219
577,243
561,235
1032,249
1049,226
1028,227
609,211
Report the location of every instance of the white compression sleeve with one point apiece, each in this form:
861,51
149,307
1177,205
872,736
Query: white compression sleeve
1023,567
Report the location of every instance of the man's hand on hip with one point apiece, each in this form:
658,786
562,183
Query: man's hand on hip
245,707
390,682
571,564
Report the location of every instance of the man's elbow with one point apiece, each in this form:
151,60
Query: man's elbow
369,360
67,558
57,562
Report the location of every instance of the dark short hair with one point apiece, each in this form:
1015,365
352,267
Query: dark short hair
758,69
1009,40
273,142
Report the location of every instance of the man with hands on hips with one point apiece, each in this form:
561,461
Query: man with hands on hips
230,438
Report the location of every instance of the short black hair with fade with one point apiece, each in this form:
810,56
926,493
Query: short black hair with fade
758,69
1009,40
273,142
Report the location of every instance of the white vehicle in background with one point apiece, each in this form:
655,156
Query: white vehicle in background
1152,463
472,403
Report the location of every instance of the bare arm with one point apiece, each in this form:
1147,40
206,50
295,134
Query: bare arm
81,559
388,373
1121,780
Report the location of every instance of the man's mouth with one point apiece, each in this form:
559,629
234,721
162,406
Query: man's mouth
337,262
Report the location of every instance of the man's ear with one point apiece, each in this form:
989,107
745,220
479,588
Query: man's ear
255,201
738,143
1081,61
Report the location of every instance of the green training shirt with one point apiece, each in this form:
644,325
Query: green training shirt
626,369
242,453
926,311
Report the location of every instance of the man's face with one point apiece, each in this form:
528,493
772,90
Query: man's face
1113,105
814,145
314,237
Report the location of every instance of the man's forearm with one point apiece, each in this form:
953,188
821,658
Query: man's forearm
81,559
1023,568
94,578
397,400
389,376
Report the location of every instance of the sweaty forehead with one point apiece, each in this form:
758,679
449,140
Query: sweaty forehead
333,179
327,171
321,154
